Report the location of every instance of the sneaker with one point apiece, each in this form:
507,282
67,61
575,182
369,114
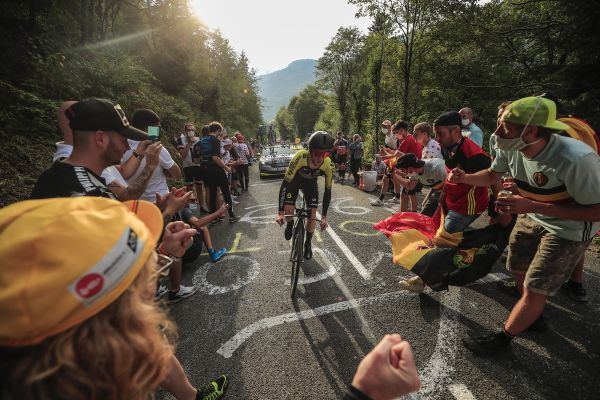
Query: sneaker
235,202
160,292
396,200
307,251
183,293
216,255
414,284
509,287
234,219
214,390
377,202
487,345
289,229
574,291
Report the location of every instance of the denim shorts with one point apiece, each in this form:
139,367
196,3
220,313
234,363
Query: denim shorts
456,222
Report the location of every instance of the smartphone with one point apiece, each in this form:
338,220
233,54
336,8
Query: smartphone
154,133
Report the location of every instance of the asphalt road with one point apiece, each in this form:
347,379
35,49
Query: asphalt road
243,322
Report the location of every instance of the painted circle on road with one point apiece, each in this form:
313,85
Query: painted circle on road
250,267
339,207
365,234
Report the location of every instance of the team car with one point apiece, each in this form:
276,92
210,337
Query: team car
275,160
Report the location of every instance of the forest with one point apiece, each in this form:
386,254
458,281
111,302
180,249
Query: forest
423,57
140,53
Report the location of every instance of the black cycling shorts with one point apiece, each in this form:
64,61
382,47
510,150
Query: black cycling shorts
193,173
310,190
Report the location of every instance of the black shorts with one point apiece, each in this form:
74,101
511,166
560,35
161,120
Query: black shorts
193,173
341,159
417,189
214,175
310,190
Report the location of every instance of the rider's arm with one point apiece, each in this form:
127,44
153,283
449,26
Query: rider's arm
326,200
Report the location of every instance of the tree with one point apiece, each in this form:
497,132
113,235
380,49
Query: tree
337,70
306,109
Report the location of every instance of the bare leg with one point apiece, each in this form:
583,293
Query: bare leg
177,382
175,275
310,225
403,202
527,310
288,209
206,238
577,275
413,202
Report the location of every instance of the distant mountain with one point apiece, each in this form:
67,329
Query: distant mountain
277,88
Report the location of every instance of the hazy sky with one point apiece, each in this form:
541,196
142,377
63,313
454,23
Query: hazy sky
274,33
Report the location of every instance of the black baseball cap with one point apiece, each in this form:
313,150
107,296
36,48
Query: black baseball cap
449,118
409,161
102,115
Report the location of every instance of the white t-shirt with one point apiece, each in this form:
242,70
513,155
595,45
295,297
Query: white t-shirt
109,174
181,142
158,181
432,150
391,141
369,180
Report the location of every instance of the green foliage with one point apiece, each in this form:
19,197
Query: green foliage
284,124
140,54
306,109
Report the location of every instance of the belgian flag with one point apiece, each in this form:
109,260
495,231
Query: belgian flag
421,245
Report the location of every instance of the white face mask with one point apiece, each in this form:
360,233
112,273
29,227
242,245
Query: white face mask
516,144
466,121
385,130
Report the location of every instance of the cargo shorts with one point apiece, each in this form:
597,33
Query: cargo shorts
546,259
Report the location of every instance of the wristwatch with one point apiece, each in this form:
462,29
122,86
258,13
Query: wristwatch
136,154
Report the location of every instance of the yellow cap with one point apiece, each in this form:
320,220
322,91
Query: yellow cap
64,260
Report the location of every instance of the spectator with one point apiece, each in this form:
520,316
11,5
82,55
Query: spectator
470,130
390,139
215,169
390,165
113,174
378,166
242,167
356,155
431,173
191,170
233,160
407,145
95,332
558,206
142,119
462,202
340,147
100,131
431,148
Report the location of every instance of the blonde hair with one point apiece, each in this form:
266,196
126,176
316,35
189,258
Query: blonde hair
120,353
423,127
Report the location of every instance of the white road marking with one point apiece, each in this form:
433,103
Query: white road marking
376,259
438,371
337,206
331,262
228,348
360,268
460,392
247,264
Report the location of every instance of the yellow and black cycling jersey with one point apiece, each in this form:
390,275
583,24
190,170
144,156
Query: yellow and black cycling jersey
299,175
299,169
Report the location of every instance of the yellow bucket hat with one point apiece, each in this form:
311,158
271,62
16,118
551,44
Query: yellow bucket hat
65,260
